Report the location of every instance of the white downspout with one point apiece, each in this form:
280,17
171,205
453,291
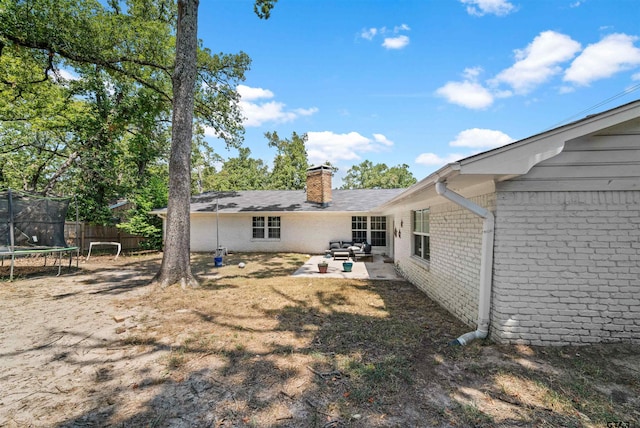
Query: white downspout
486,263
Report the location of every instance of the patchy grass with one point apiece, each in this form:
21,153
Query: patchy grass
320,351
257,347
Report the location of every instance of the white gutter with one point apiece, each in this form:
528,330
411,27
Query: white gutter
486,263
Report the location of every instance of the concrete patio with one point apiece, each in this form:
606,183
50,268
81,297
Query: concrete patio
376,269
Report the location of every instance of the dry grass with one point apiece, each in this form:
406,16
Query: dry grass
257,347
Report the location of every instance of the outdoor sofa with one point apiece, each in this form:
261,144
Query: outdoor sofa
349,249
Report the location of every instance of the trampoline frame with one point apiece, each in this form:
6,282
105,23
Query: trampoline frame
14,251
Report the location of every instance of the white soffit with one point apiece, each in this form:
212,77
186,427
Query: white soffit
519,157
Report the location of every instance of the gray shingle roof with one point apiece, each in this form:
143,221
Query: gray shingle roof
356,200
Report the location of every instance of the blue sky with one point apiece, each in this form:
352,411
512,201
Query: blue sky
423,82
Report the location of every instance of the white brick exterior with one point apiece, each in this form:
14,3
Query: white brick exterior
566,265
567,268
300,232
452,276
566,253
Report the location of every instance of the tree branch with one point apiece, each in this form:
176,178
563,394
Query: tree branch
107,63
61,170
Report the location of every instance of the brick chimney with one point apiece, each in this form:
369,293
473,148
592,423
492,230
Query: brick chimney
319,184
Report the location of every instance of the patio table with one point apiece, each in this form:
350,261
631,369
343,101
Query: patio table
341,255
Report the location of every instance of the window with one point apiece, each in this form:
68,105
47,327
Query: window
378,231
359,228
274,227
421,234
258,227
262,229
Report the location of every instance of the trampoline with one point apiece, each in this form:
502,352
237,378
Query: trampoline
32,224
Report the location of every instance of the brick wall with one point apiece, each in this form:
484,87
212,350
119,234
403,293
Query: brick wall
452,276
566,268
319,185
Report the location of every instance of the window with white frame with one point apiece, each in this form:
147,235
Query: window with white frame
359,228
378,231
273,226
421,234
258,227
266,228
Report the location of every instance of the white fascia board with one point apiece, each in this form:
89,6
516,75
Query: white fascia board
519,157
443,174
515,159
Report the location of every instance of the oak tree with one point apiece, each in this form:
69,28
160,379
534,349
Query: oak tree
366,175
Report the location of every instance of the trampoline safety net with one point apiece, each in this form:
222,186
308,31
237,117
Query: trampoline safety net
31,222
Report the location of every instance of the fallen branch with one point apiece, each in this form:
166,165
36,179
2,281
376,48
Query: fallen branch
291,397
284,418
326,375
81,340
45,345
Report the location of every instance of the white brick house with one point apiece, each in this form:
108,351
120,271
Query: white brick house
536,242
543,247
303,221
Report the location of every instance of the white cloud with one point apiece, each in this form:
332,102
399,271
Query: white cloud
369,33
248,93
382,139
484,7
539,61
209,131
534,65
306,111
432,159
258,113
566,89
477,138
467,94
398,42
472,73
329,146
66,74
609,56
392,37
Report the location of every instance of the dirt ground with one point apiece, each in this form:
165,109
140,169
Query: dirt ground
255,347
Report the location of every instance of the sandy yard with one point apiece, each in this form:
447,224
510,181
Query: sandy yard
256,347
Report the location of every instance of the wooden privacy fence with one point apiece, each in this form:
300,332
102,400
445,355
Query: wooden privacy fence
87,233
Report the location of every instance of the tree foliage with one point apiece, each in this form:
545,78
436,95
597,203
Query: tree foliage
104,133
366,175
242,173
290,164
119,48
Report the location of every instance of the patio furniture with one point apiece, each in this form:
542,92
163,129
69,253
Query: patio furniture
343,245
362,253
341,255
362,256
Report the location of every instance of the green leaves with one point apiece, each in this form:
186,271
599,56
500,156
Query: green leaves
290,164
262,8
366,175
106,132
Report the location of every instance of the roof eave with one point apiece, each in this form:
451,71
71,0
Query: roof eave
518,158
445,173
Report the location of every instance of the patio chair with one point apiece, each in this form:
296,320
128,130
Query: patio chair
363,252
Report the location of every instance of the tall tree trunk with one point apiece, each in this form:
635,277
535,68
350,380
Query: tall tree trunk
175,267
